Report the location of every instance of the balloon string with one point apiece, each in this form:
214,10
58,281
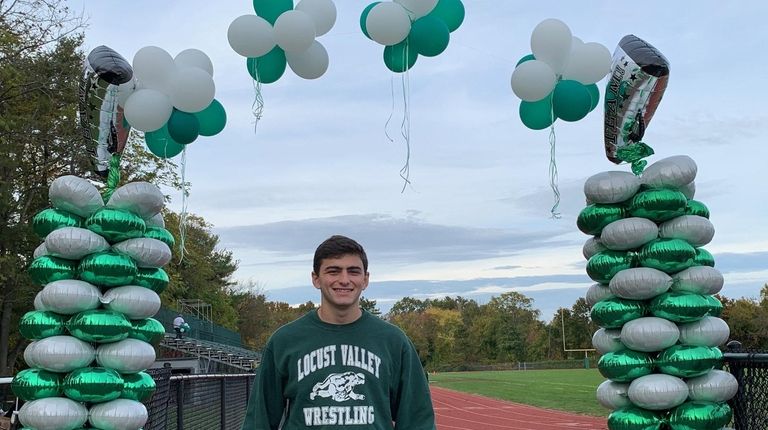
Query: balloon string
553,168
258,103
405,125
392,110
183,215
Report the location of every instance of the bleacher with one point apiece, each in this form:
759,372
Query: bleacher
236,357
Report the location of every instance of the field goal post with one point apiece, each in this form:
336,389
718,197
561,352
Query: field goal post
565,348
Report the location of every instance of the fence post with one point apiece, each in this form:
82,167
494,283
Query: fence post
223,396
180,405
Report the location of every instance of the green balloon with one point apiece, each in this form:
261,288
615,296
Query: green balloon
93,384
687,361
364,18
451,12
270,10
537,115
429,36
571,100
525,58
700,415
634,418
41,324
593,218
625,365
269,67
212,119
160,143
33,384
47,269
116,225
183,127
615,312
107,269
52,219
668,255
99,325
138,386
703,258
149,330
604,265
680,307
695,207
658,205
153,278
715,306
594,94
400,57
160,234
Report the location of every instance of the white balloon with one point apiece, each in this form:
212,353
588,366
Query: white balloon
53,413
551,43
126,356
388,23
628,233
607,340
38,302
70,296
649,334
294,31
124,91
591,247
640,283
142,198
611,187
133,301
74,243
148,109
613,395
322,12
597,292
119,414
417,8
671,172
155,221
145,251
716,386
251,36
708,331
698,279
689,190
194,58
192,89
40,251
310,64
587,63
76,195
154,68
657,391
533,80
62,354
694,229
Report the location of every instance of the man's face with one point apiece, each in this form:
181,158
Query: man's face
341,281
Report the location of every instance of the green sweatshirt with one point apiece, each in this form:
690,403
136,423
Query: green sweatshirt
362,375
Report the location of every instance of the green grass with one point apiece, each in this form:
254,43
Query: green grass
571,390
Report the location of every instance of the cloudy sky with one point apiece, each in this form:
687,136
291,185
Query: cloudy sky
476,221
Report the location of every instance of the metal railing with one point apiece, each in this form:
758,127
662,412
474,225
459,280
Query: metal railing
750,405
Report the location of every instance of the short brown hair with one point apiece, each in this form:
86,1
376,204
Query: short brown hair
338,246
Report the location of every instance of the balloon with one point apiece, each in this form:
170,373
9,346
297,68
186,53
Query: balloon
680,307
145,252
703,258
524,58
591,247
537,115
53,413
696,230
400,57
417,8
658,205
667,255
716,386
251,36
698,279
115,225
133,301
551,43
593,218
160,143
49,220
429,36
154,69
670,172
639,75
322,12
47,269
148,330
388,23
154,279
625,365
108,269
605,265
69,296
93,384
451,12
615,312
99,325
364,18
119,414
76,195
148,109
588,63
597,292
155,221
294,31
688,361
33,384
142,198
533,80
612,395
708,331
688,189
269,67
640,283
658,392
194,58
270,10
37,303
607,340
310,64
571,100
138,386
715,306
634,418
695,207
192,90
126,356
74,243
649,334
700,415
60,354
41,324
183,127
212,119
611,187
594,95
160,234
628,233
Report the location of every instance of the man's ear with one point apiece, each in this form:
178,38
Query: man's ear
315,280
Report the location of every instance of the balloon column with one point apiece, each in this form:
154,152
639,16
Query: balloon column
409,28
91,330
653,299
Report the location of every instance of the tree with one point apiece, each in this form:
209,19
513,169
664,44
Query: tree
370,306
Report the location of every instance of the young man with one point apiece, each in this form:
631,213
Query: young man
339,367
177,323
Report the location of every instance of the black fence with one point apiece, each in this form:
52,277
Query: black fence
750,405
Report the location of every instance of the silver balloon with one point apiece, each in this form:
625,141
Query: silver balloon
126,356
716,386
613,395
671,172
640,283
694,229
119,414
698,279
657,392
70,296
53,413
591,247
146,252
708,331
155,221
142,198
40,251
133,301
74,243
597,292
76,195
628,233
607,340
29,354
611,187
649,334
38,302
61,354
688,190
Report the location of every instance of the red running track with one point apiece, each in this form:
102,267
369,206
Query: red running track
461,411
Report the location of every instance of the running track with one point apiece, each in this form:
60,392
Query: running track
461,411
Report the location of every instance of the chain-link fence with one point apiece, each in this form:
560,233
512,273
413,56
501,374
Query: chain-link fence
750,405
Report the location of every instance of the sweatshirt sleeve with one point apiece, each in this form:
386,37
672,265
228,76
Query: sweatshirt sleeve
266,404
412,406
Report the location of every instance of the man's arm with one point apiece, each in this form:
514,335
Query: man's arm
412,407
266,403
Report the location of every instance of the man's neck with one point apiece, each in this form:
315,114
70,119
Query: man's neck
339,316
